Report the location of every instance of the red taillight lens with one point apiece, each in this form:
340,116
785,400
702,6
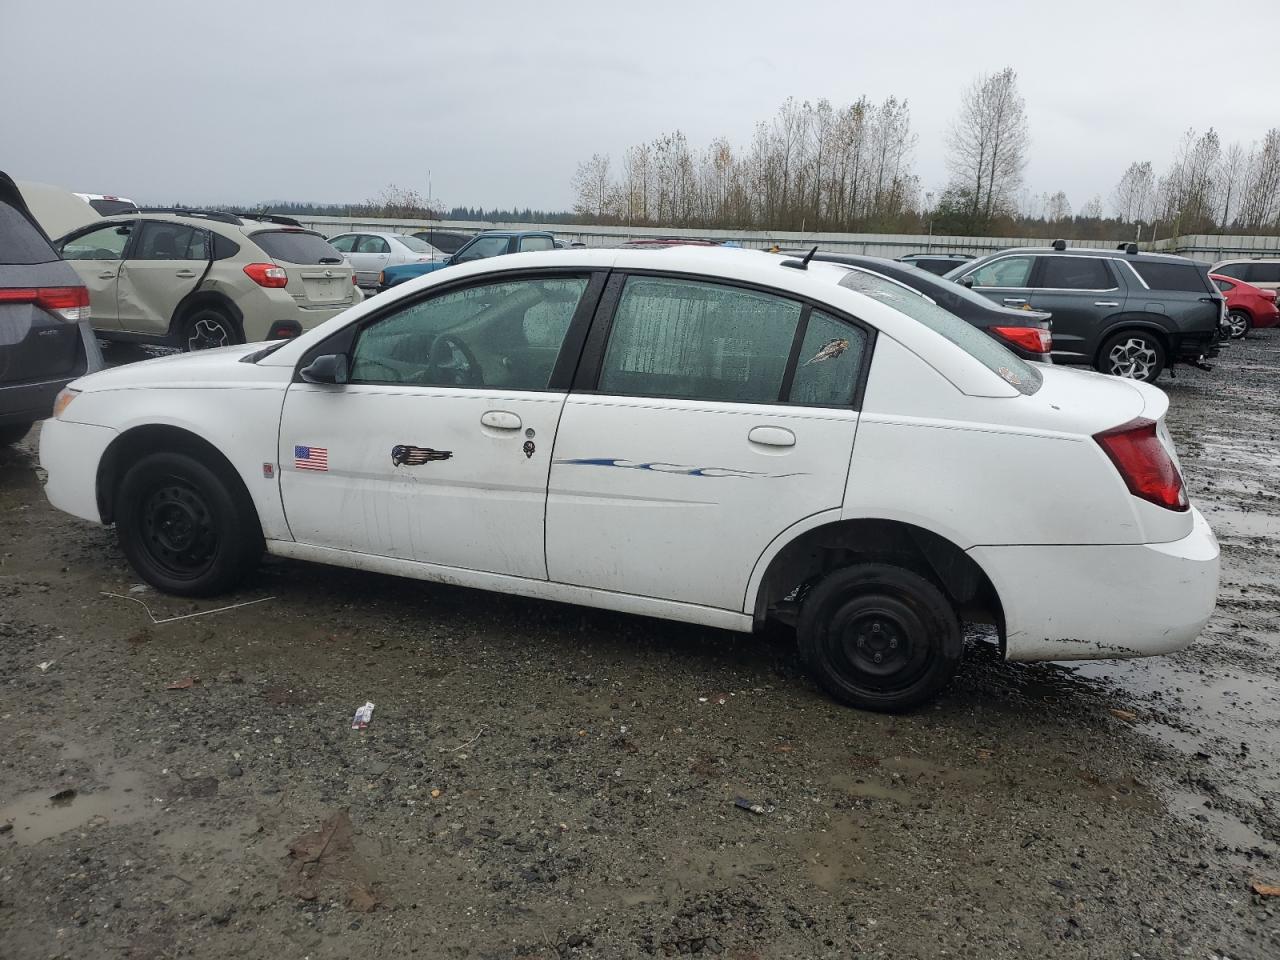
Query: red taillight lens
1035,339
267,274
1268,294
354,283
1144,464
70,303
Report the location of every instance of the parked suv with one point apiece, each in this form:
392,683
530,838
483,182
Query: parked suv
1260,273
938,263
199,279
1122,312
45,338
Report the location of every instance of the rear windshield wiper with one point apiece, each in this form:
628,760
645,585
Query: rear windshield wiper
330,259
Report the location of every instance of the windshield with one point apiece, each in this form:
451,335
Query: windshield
1023,376
416,245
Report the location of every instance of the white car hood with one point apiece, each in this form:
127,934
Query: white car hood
202,369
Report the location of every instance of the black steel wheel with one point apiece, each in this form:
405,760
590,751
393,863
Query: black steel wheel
185,528
879,637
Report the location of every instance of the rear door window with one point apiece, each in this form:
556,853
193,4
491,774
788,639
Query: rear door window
297,246
1007,272
20,242
344,243
170,241
1186,277
371,244
1075,273
699,341
1264,273
536,243
830,359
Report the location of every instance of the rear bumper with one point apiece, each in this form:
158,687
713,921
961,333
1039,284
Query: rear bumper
1190,348
29,401
1100,602
70,454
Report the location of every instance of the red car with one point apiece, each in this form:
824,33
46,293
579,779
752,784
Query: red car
1248,306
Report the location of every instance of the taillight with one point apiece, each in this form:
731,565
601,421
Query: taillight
355,284
267,274
1268,294
70,303
1035,339
1144,464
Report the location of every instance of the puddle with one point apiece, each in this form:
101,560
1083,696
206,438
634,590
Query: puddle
118,798
1242,523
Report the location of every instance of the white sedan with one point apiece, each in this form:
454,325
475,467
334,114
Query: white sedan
369,253
715,436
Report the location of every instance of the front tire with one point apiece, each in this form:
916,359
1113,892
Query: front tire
1132,354
1239,323
185,528
207,328
879,637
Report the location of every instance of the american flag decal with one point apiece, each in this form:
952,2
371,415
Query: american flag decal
310,458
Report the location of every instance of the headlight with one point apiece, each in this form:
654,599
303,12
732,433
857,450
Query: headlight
63,400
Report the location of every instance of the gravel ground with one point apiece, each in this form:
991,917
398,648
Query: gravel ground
548,781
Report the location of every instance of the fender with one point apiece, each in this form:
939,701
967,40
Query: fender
200,297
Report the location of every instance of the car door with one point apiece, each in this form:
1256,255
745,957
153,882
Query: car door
161,268
536,243
1005,280
97,255
709,418
369,257
437,449
1081,293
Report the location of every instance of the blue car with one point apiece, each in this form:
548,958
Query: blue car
491,243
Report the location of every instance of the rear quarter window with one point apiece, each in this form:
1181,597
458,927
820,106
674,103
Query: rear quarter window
1019,374
20,242
296,246
1186,277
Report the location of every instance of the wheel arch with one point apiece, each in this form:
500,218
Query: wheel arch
138,441
833,543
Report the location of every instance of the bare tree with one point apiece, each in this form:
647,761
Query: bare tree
593,187
988,143
1093,209
1260,193
1232,169
1134,196
1058,207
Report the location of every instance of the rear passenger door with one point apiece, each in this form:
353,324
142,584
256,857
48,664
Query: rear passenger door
369,257
163,266
1081,293
707,419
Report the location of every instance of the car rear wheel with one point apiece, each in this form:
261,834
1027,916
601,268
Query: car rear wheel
185,528
206,328
1239,323
13,432
879,637
1133,354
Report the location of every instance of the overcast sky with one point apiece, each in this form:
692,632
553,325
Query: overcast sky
227,101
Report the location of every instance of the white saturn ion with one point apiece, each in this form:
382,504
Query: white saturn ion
717,436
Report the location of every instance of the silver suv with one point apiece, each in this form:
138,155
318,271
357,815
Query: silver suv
197,280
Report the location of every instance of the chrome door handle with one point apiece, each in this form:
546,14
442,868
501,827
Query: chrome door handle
106,275
772,436
500,420
1013,300
185,274
1105,303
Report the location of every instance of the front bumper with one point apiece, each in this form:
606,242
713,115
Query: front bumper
69,455
1100,602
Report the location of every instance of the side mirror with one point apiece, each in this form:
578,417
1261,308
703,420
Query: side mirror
967,282
330,368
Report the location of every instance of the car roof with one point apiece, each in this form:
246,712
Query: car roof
1223,263
248,228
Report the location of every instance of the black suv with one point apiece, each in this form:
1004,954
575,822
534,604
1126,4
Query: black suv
938,263
1122,312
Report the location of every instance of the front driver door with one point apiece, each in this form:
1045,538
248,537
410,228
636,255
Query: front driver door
438,448
97,256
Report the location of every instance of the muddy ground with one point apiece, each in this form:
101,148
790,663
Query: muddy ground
548,781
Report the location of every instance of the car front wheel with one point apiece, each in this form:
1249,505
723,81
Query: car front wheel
185,528
1238,323
1133,354
879,637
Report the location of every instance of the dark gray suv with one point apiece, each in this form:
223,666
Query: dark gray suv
45,338
1119,311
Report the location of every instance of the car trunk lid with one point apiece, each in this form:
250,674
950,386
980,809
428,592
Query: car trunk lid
318,275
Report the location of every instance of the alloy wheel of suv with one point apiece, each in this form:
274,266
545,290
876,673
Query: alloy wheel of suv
1238,323
206,329
1133,355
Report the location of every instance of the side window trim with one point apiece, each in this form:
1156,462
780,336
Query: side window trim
587,377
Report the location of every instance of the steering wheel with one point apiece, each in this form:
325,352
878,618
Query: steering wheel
444,354
394,377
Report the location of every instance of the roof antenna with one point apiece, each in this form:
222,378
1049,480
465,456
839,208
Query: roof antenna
801,264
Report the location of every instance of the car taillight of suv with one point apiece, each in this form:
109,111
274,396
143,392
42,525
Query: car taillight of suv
69,303
267,274
1144,463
